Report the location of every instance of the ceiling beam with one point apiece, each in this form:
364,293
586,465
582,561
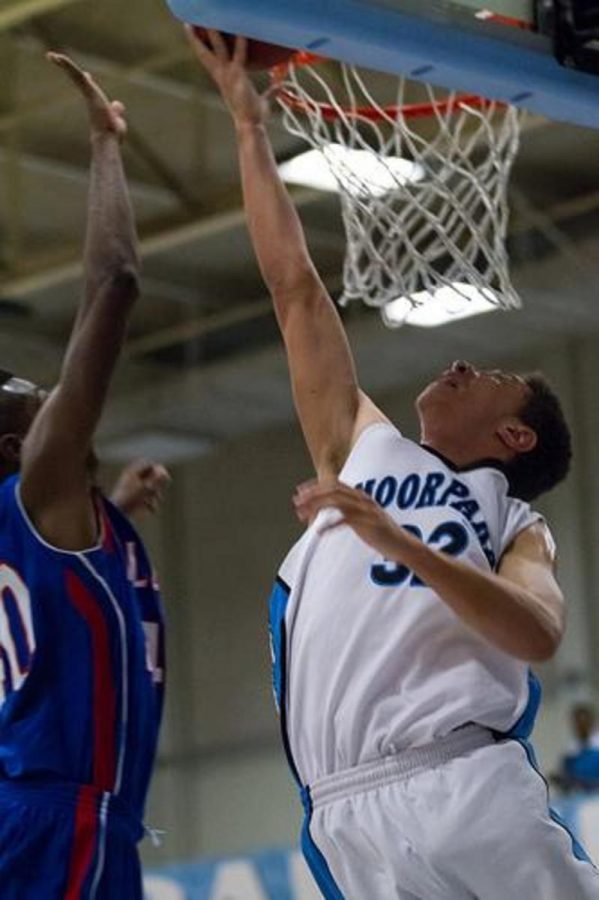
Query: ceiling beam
199,327
63,270
167,237
143,73
20,11
62,171
195,328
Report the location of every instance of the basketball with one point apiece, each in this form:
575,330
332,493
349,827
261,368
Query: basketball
260,55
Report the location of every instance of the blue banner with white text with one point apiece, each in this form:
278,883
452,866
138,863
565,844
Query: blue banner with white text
269,875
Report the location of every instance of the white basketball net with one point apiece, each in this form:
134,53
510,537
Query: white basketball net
427,218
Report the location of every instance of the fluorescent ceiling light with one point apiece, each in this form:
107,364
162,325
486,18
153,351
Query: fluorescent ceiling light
155,445
429,309
360,173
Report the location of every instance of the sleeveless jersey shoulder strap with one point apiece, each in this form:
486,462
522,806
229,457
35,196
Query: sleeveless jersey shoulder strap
519,517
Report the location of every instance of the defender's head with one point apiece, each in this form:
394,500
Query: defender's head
471,415
20,401
583,721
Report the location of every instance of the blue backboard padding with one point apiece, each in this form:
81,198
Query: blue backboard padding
495,61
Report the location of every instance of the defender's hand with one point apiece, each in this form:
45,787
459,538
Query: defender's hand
106,116
140,488
228,71
357,510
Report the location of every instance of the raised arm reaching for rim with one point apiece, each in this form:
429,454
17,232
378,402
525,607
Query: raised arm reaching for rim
55,460
331,408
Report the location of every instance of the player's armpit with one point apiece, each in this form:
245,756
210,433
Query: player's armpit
339,441
332,409
324,381
57,452
368,414
530,563
323,377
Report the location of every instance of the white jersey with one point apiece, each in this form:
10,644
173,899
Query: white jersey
368,660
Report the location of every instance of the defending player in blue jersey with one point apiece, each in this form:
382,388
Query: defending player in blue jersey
405,619
81,626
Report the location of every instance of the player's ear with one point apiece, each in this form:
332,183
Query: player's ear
10,448
517,436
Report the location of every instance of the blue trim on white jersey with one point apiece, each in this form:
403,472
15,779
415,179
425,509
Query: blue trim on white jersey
520,732
577,848
525,724
279,600
277,604
313,856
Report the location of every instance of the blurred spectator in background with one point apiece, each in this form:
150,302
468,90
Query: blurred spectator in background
580,766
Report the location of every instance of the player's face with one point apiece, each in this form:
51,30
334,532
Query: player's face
471,402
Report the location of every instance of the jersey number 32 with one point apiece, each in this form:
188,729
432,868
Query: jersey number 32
450,537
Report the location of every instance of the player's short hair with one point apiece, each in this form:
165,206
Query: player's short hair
16,396
534,473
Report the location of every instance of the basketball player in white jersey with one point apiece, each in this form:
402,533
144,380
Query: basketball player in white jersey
405,620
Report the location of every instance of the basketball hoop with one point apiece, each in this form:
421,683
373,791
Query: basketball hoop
412,237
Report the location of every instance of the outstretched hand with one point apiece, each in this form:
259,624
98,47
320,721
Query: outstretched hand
229,73
106,116
356,510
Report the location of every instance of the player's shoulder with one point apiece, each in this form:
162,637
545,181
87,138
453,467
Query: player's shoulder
378,444
117,525
384,432
18,538
9,499
488,481
532,536
115,517
9,485
380,431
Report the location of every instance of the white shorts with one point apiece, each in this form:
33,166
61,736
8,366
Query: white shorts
465,818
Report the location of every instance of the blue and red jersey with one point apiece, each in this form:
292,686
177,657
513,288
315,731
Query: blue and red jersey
81,657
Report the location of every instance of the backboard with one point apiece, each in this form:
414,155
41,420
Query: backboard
450,43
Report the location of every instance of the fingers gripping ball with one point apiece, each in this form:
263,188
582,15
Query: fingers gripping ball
260,55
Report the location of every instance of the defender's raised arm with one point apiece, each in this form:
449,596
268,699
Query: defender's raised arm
331,408
56,452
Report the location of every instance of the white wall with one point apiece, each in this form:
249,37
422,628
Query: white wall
221,784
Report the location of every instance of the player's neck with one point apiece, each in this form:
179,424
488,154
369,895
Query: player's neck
7,469
460,452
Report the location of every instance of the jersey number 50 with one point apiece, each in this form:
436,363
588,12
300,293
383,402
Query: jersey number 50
450,538
17,642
